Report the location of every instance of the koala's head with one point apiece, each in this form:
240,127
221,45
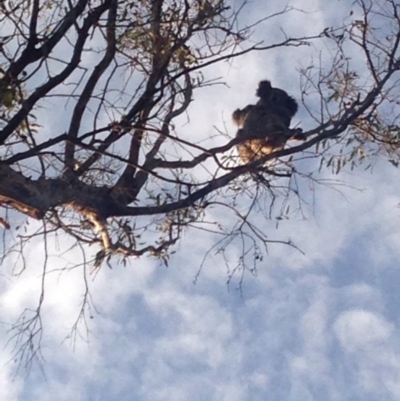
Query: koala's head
264,89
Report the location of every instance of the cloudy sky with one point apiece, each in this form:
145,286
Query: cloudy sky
318,326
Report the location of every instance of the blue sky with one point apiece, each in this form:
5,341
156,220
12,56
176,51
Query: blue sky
323,325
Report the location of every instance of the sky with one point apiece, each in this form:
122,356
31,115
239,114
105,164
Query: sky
319,325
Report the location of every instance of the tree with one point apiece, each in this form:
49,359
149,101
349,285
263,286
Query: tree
119,174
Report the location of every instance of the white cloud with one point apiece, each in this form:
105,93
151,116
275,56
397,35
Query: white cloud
361,330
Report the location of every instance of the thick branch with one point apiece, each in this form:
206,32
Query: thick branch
40,92
31,54
98,71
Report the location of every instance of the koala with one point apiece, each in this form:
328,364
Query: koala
264,127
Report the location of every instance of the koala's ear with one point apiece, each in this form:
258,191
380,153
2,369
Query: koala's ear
237,116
